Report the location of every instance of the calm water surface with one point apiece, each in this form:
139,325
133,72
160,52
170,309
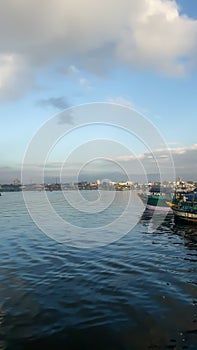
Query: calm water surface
139,292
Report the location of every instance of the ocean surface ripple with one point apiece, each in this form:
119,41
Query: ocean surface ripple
139,292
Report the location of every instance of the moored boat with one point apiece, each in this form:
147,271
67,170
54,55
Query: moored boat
184,206
157,198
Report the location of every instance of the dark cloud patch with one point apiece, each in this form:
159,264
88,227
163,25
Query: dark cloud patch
59,103
66,117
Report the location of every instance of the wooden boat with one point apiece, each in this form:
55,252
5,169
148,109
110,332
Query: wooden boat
157,198
184,206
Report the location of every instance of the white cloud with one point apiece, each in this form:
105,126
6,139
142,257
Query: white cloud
143,34
73,70
154,38
13,72
85,83
130,157
6,69
178,150
121,101
184,158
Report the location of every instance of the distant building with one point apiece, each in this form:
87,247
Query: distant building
16,182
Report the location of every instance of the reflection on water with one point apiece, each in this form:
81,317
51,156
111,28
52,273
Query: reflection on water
137,293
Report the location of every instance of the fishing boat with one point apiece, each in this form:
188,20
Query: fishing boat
157,198
184,206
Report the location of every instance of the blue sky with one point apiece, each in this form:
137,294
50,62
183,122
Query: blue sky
142,55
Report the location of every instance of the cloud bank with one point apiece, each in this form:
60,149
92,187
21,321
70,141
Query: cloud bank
185,161
144,34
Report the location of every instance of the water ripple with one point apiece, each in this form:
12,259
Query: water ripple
131,294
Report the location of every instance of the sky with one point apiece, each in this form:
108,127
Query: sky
66,63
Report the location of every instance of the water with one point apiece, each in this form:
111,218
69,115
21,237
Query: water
139,292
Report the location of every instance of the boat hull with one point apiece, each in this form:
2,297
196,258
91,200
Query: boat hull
158,203
185,215
158,208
